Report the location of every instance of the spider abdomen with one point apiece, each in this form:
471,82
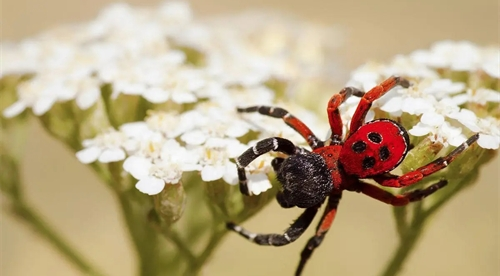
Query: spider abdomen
306,180
377,147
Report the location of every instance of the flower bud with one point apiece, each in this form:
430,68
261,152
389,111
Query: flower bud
170,202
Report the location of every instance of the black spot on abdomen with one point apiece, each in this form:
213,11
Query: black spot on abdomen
359,147
375,137
384,153
368,162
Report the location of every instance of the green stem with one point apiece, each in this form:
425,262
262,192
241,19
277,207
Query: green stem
30,216
144,238
213,243
406,245
184,250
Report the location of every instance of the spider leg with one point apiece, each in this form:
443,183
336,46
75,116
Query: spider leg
323,227
264,146
289,119
290,235
376,92
333,109
399,200
417,175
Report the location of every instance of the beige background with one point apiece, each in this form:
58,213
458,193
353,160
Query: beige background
463,239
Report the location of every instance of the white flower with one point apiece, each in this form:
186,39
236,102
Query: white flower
488,128
480,96
215,155
179,85
257,173
106,147
443,133
39,93
210,120
437,114
154,171
421,97
458,56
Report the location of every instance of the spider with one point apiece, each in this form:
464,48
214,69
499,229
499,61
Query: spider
309,178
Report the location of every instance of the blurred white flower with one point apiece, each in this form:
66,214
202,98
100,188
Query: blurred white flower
106,147
443,133
480,96
488,128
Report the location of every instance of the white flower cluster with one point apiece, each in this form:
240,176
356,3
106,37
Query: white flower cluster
443,103
148,53
142,52
205,139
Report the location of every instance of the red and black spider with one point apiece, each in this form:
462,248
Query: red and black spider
308,178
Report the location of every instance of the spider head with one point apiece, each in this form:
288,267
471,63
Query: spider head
306,180
376,147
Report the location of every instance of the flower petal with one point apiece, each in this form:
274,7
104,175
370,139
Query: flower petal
112,155
88,155
150,185
137,166
420,130
488,141
14,109
43,105
230,175
156,95
258,183
88,98
212,173
432,119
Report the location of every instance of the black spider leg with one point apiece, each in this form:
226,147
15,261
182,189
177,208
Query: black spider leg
289,119
290,235
264,146
321,230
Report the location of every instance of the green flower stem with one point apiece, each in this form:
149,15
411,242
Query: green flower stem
143,236
31,217
407,242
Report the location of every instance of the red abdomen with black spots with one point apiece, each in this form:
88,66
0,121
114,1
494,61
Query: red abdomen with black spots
376,147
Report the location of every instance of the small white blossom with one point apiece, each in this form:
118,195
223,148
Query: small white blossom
488,128
167,166
421,97
215,155
443,133
106,147
480,96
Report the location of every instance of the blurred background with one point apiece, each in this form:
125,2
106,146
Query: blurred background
463,239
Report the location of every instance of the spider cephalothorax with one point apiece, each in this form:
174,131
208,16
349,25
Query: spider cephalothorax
309,178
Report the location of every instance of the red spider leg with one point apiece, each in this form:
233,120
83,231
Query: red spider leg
376,92
323,227
398,200
289,119
417,175
333,109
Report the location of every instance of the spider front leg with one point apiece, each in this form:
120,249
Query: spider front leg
369,97
264,146
290,235
399,200
323,227
418,174
333,110
289,119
